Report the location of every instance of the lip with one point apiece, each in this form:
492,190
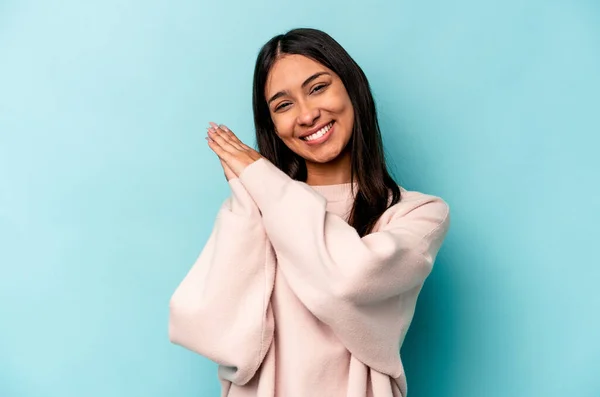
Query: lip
313,130
323,138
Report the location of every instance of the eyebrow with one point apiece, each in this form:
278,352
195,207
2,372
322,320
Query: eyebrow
306,82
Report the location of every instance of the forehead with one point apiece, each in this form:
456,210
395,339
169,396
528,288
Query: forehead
290,71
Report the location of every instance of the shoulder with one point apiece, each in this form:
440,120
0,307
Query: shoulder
426,211
412,200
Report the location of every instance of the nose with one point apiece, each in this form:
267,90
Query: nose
308,115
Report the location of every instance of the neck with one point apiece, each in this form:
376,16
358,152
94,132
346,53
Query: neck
335,172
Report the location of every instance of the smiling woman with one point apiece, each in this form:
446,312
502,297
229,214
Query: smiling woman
306,111
309,281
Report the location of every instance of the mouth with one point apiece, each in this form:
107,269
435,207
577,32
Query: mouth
319,136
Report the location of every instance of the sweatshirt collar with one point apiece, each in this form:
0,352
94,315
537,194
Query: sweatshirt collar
339,192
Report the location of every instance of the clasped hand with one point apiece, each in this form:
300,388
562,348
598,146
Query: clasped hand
235,156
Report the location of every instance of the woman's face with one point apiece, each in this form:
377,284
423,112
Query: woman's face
310,108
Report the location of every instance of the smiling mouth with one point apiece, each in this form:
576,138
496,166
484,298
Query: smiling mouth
318,134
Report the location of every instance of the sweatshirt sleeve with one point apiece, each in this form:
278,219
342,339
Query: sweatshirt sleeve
221,308
365,288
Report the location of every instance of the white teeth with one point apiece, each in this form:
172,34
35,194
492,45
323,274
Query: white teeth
319,133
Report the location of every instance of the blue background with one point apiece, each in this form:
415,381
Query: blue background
108,190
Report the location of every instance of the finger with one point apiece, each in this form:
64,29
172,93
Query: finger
228,132
247,147
218,149
220,140
231,135
225,135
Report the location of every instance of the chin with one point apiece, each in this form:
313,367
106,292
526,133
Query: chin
323,158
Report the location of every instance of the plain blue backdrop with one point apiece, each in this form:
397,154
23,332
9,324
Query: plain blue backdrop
108,190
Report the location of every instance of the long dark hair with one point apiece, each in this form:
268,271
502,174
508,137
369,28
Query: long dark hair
375,185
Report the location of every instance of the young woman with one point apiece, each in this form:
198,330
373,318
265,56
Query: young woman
309,280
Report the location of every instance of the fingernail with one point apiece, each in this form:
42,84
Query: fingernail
214,125
224,127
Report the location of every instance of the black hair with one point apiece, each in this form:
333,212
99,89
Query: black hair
376,189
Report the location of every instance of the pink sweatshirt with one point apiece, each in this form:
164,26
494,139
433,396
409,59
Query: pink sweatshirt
291,302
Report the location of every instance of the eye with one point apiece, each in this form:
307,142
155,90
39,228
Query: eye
318,88
282,106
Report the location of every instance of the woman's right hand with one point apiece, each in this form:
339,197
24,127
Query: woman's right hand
232,153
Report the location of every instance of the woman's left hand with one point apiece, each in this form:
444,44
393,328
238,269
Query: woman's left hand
230,149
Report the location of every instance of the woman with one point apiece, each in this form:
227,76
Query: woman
309,280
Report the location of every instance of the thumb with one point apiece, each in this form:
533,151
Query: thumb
229,174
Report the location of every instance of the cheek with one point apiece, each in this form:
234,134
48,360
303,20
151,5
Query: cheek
284,126
345,108
341,103
348,104
349,109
